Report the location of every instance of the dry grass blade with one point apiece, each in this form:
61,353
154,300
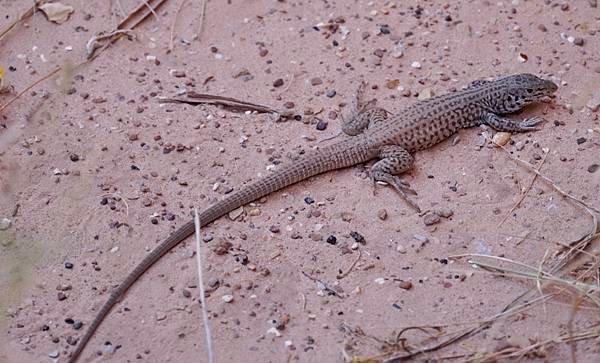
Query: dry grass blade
193,98
532,273
407,354
525,192
172,33
202,16
29,87
26,14
132,20
204,309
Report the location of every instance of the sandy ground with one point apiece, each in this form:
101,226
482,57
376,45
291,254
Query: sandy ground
95,177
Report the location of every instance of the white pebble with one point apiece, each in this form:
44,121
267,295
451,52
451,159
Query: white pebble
227,298
416,65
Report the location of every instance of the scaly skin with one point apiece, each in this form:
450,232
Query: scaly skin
391,139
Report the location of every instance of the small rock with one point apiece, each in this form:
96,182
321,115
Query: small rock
5,224
222,247
358,237
382,214
274,229
593,168
74,157
346,216
254,212
330,93
132,136
234,214
278,82
406,285
578,41
431,219
501,138
186,293
160,315
594,102
581,140
542,27
227,298
380,280
332,240
177,73
53,354
61,296
416,65
321,125
289,105
425,94
444,212
315,81
401,249
68,265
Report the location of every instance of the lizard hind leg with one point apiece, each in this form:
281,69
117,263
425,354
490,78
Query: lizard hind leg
394,160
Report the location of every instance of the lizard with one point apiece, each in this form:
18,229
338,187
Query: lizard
372,133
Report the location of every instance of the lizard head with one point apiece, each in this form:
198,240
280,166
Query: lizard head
520,90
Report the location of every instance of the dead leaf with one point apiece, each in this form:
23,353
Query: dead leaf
57,12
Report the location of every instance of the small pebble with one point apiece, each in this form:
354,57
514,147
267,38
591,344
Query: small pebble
581,140
406,285
309,200
74,157
330,93
358,237
315,81
227,298
444,212
382,214
321,125
53,354
332,240
160,315
416,65
5,224
501,138
274,229
68,265
278,82
593,168
431,219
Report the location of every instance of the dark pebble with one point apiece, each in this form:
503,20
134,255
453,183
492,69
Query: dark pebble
315,81
581,140
309,200
274,229
61,296
330,93
406,285
593,168
448,18
289,105
45,328
74,157
385,29
78,325
278,82
154,221
321,125
68,265
332,240
358,237
69,321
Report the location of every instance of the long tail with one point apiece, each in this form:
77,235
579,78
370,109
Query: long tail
342,154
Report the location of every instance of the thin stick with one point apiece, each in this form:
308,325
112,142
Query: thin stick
29,87
344,274
201,284
172,35
548,180
202,16
525,192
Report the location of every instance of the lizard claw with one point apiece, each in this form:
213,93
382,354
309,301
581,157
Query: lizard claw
532,123
401,187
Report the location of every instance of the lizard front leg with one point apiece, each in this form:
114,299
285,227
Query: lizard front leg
394,160
363,114
505,124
